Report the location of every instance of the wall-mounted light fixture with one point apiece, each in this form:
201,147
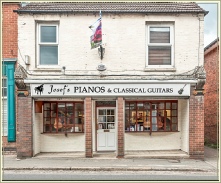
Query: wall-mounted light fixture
101,52
101,67
27,60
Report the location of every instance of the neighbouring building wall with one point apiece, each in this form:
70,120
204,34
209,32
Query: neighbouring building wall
9,53
196,125
9,30
211,89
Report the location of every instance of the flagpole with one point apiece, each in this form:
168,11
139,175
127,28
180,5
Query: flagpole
101,48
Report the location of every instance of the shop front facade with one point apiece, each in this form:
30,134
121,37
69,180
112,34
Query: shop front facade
142,95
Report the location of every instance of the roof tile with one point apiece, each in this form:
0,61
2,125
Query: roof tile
120,7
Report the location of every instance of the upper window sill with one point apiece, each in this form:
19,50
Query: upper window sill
172,69
47,68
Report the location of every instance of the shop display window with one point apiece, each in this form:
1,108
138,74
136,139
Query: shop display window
141,116
61,117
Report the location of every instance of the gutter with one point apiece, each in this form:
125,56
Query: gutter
34,81
95,11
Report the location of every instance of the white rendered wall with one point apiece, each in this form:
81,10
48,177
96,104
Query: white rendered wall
124,39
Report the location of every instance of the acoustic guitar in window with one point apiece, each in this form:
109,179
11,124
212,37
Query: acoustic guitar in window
57,123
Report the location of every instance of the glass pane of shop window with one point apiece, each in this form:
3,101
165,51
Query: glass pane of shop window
133,106
79,106
174,105
154,123
174,119
70,107
168,105
140,106
161,105
54,107
46,106
146,105
61,110
174,112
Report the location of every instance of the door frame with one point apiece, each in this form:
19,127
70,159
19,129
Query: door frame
96,126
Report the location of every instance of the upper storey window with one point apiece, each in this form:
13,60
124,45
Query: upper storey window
160,46
47,44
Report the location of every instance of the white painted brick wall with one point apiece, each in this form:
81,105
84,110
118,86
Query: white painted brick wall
155,141
124,39
61,143
183,106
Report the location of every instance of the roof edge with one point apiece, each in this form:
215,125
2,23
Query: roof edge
211,44
103,11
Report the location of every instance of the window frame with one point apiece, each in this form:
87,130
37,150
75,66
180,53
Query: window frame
171,116
171,44
4,87
50,120
39,43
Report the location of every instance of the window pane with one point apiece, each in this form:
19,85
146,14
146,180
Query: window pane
48,34
168,105
174,105
159,35
4,88
48,55
159,55
174,112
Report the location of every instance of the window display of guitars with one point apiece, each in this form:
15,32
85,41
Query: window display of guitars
57,123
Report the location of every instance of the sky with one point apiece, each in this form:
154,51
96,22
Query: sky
210,22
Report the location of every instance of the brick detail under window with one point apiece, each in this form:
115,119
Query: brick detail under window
24,127
88,128
196,128
120,136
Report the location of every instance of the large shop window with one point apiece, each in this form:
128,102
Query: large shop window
160,46
47,44
63,117
151,116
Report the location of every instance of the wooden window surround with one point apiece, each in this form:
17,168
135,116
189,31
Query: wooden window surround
141,116
60,117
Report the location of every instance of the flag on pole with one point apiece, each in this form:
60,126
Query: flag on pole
96,38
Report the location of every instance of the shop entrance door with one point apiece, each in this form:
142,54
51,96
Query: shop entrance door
106,129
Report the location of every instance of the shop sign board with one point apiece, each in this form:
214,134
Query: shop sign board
118,89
